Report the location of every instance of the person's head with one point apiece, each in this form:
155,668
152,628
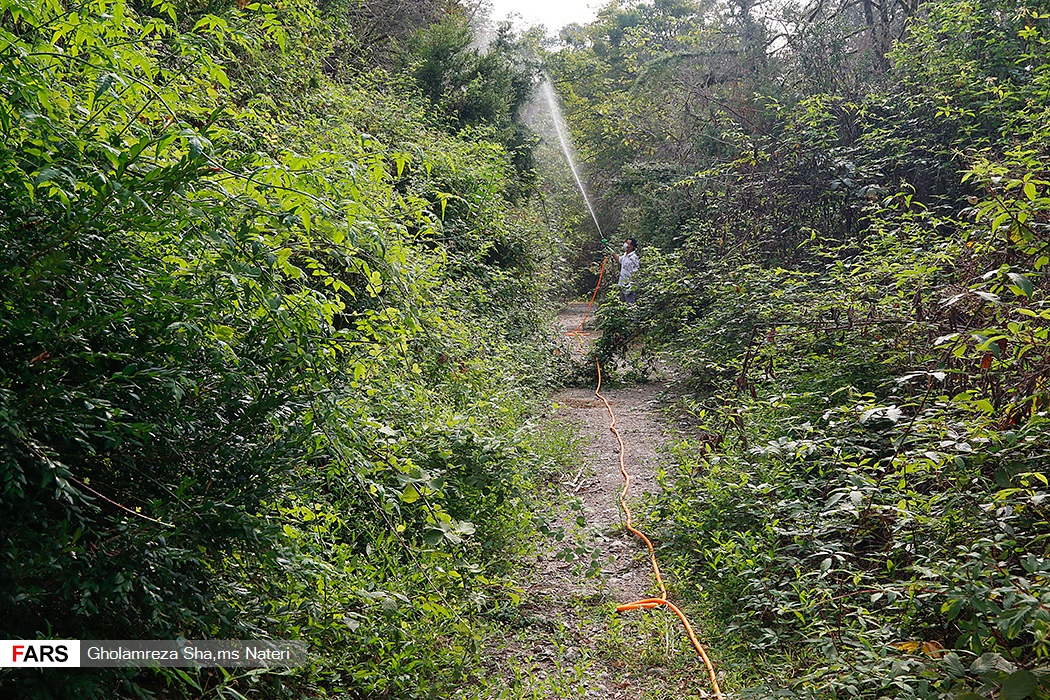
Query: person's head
630,244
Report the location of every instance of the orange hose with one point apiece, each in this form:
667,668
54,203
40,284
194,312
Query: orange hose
629,521
601,271
647,603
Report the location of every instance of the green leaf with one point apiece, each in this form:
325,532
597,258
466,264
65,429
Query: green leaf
1018,685
104,83
220,77
951,609
1000,220
991,661
223,332
1023,283
989,297
49,175
464,527
985,406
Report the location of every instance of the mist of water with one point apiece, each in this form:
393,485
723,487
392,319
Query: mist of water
566,146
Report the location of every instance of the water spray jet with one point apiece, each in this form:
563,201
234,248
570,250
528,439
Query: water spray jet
566,147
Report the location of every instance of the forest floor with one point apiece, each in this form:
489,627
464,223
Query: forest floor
565,640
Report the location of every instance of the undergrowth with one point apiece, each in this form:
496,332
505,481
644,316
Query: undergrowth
271,339
860,501
858,295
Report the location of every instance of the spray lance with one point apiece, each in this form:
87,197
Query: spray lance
607,251
607,247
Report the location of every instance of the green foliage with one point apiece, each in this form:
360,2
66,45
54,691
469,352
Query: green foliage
368,33
858,495
471,88
259,347
854,276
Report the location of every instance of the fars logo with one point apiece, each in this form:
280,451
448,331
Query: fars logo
16,653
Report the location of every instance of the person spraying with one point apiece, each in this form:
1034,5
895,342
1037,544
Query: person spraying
629,264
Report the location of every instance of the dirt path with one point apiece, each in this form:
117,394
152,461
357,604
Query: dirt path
628,576
569,641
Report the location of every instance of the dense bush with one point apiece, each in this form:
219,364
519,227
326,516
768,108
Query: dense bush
259,335
853,272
